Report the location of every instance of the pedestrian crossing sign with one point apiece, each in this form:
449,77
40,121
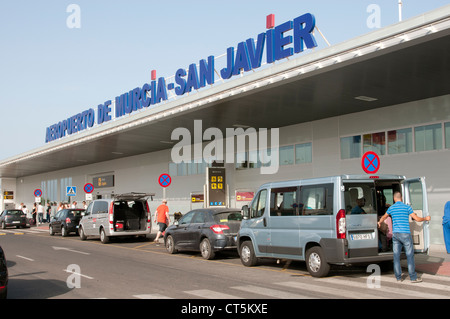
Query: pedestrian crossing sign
71,191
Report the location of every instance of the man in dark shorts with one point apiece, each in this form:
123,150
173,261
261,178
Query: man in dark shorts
162,218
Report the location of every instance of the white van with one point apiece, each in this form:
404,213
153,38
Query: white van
124,215
329,220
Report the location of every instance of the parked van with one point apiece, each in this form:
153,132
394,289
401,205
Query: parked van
123,215
329,220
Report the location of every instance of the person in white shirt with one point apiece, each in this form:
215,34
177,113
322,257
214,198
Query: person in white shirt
40,211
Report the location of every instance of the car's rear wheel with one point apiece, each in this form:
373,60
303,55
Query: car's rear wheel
206,249
316,262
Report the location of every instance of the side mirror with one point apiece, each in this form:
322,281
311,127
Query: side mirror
245,212
175,223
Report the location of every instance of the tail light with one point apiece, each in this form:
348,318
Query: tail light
111,213
149,215
68,220
340,224
218,229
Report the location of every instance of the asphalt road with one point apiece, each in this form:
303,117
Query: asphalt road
51,267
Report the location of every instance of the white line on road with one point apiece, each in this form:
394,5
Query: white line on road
271,292
29,259
72,250
152,296
210,294
78,274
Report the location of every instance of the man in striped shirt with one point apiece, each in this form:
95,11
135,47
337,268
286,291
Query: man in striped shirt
401,235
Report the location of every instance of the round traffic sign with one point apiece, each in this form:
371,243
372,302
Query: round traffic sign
370,162
37,193
164,180
88,188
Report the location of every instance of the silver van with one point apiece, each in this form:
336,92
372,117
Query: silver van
329,220
123,215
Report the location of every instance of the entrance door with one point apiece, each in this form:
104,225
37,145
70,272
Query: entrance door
416,196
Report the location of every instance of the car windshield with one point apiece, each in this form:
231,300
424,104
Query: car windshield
225,217
14,212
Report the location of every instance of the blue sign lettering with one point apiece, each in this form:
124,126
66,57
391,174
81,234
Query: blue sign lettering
248,56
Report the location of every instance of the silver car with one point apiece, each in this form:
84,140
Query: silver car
124,215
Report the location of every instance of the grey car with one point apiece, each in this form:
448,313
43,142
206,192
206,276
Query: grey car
13,217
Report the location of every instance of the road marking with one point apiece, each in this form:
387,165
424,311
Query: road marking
402,289
29,259
78,274
151,296
210,294
71,250
271,292
15,232
336,292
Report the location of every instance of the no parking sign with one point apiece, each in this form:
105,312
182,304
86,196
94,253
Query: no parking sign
164,180
370,162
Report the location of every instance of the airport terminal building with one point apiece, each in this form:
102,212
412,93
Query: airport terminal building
387,91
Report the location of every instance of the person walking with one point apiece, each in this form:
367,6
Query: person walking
401,237
446,226
162,218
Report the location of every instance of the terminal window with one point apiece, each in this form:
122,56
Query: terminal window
428,137
447,134
400,141
375,142
303,153
351,147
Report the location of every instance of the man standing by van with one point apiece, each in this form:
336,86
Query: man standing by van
400,212
162,218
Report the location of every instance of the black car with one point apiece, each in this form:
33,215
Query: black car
13,217
3,275
65,222
207,230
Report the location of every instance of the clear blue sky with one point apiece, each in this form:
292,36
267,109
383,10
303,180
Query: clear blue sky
49,72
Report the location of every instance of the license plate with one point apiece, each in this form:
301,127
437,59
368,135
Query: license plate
16,222
361,236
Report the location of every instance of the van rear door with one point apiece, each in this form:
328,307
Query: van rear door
361,218
416,196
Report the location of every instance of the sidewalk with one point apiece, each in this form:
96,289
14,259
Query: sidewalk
437,262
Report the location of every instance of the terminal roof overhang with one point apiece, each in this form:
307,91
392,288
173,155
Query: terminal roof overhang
405,62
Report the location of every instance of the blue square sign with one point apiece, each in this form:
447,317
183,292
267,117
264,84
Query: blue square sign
71,191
